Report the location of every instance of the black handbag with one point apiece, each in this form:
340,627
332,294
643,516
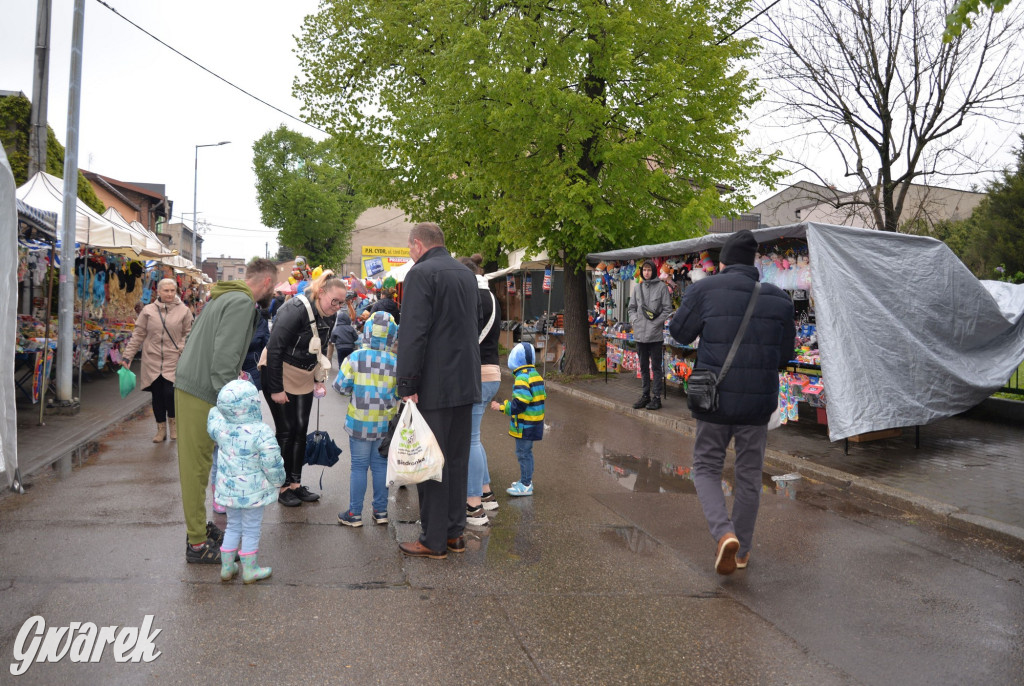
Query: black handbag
702,386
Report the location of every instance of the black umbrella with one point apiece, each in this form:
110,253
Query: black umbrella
321,448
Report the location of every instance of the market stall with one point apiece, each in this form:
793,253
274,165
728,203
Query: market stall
896,331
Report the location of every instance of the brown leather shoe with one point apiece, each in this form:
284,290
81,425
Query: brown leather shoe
742,560
417,549
725,561
457,545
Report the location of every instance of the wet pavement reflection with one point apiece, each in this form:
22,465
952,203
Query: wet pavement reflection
648,475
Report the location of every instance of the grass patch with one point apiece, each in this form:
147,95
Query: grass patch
569,379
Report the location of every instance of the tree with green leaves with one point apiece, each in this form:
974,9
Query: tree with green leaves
564,126
305,191
995,247
15,124
965,12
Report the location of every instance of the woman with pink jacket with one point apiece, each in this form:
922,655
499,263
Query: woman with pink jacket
160,332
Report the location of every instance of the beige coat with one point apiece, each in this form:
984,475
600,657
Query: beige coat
159,354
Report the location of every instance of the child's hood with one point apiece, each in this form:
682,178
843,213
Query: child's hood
343,319
379,332
239,402
522,354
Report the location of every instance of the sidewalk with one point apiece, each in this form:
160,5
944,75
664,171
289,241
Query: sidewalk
67,440
968,473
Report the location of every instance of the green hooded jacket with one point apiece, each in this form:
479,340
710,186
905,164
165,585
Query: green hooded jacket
219,340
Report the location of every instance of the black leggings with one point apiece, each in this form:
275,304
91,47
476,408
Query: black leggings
163,399
291,421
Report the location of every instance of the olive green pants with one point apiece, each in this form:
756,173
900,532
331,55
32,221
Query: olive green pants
195,458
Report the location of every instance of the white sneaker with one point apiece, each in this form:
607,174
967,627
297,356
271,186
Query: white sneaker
518,489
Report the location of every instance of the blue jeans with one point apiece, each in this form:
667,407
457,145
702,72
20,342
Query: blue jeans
365,455
524,453
243,530
478,474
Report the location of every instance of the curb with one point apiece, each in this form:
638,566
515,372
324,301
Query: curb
933,510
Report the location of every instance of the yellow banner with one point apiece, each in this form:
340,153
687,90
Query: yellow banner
378,260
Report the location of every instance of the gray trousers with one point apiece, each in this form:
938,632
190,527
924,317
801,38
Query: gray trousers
708,459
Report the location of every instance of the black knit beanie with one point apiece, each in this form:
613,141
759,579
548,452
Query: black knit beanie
739,248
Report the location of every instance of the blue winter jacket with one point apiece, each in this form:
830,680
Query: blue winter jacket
249,464
369,374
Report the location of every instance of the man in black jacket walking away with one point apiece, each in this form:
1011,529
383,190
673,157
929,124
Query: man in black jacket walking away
713,309
439,370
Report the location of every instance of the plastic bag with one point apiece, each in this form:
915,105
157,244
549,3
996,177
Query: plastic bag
414,455
126,377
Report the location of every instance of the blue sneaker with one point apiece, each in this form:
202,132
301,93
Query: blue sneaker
519,489
380,517
349,519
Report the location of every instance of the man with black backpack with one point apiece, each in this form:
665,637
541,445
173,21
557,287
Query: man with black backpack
747,332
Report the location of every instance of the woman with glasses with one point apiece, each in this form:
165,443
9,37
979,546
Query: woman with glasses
296,368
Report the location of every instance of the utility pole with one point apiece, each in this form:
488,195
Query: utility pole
40,89
266,247
66,293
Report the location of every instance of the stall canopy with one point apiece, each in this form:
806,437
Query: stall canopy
8,323
518,261
399,273
907,334
46,192
43,222
152,248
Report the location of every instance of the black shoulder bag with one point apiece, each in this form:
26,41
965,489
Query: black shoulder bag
702,386
647,312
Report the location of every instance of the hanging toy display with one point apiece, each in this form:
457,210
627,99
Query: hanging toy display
528,285
546,284
510,284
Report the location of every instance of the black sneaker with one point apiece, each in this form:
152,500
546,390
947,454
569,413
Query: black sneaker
642,402
208,553
214,533
306,495
655,403
288,498
475,516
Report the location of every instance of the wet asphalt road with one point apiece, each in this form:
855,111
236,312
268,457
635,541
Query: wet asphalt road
603,577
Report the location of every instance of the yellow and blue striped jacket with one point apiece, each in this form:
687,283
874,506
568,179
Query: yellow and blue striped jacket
526,409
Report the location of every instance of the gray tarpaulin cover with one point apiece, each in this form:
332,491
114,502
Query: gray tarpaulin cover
907,334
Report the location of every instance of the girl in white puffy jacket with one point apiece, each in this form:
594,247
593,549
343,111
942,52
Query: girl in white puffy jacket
249,471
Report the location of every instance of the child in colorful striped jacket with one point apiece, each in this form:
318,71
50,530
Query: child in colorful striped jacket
526,410
369,374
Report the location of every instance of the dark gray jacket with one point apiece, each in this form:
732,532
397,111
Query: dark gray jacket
653,295
713,308
438,352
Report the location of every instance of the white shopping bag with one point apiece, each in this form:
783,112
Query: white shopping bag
414,455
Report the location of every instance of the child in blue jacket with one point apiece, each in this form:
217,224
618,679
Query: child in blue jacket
249,471
369,374
526,410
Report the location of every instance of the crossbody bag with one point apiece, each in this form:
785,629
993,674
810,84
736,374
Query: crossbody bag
648,312
702,386
490,322
315,346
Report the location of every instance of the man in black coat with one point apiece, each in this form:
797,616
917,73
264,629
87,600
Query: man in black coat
439,370
713,309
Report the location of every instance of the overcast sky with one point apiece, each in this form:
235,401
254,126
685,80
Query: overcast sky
144,108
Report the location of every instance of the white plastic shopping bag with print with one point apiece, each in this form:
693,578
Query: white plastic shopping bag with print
414,455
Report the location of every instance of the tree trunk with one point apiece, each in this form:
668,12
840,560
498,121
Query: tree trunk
578,359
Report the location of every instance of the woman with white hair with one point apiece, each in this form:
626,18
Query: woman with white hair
160,332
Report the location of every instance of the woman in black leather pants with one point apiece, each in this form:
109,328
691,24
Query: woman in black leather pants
293,373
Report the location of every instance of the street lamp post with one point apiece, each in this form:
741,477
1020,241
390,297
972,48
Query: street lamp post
195,194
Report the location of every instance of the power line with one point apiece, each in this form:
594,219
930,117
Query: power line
210,72
230,228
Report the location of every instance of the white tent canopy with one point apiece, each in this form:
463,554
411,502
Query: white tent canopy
399,272
152,247
8,323
46,192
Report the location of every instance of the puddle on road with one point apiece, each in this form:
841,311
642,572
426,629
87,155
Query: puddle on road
635,539
641,474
